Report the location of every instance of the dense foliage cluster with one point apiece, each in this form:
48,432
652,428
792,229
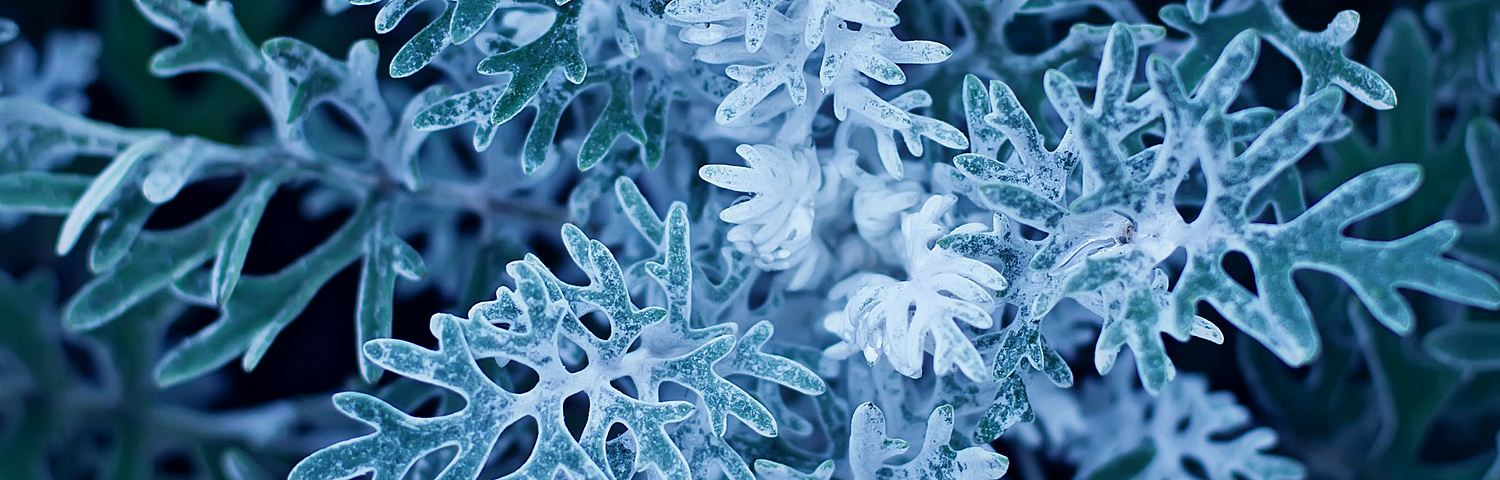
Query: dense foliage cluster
777,239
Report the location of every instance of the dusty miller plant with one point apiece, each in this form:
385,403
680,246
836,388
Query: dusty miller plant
781,239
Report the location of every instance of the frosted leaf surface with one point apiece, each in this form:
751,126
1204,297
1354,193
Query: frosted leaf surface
894,318
1318,55
526,324
211,41
774,224
1119,262
870,449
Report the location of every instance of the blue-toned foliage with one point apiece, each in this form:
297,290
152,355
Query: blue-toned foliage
886,222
